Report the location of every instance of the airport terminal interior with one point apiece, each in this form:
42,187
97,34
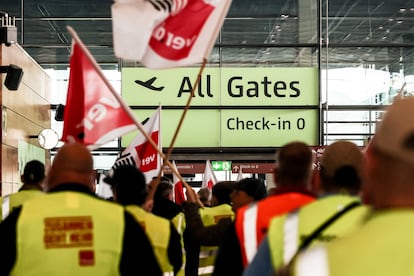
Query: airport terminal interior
354,56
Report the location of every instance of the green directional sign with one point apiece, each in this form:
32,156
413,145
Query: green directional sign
221,165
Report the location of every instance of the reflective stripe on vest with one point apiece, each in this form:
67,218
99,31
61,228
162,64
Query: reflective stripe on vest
206,270
313,263
180,225
290,237
5,206
208,253
249,232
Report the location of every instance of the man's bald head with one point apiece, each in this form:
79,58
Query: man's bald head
73,164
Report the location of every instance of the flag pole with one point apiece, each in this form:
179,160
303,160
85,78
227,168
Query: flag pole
118,97
187,106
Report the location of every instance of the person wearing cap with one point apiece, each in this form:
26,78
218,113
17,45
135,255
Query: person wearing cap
246,191
341,170
32,179
70,231
129,187
204,228
293,174
383,245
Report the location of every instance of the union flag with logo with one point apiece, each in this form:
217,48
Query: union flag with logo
141,153
166,33
94,113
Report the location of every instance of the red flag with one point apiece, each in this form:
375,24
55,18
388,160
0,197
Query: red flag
209,178
163,37
93,115
179,196
141,153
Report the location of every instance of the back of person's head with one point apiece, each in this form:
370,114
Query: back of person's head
73,164
294,163
390,158
342,165
129,185
221,192
164,190
204,196
395,133
33,173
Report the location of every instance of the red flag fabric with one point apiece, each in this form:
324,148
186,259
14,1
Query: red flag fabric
209,178
93,115
161,35
141,153
179,196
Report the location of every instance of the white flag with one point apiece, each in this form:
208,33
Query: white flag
209,178
141,153
166,33
240,175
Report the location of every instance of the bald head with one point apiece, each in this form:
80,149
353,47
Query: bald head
73,164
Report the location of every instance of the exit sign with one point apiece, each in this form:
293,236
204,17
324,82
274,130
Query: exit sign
221,165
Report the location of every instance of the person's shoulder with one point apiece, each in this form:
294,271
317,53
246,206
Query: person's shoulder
158,218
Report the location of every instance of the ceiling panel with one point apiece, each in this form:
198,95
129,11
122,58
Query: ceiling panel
254,32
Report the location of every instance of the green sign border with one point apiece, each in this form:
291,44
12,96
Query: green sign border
221,86
227,105
253,128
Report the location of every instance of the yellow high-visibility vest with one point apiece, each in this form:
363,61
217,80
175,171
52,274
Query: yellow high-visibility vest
208,254
158,232
73,233
11,201
286,232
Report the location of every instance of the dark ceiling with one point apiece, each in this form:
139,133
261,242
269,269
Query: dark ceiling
361,32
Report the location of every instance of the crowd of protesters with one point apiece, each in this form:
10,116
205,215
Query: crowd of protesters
356,221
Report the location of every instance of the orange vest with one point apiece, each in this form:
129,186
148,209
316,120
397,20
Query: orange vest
252,221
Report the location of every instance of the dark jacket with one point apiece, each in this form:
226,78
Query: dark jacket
166,208
196,235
